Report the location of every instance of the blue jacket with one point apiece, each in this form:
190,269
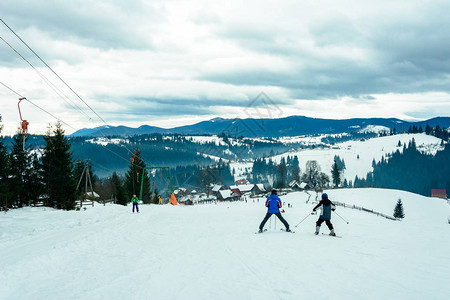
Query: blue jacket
273,203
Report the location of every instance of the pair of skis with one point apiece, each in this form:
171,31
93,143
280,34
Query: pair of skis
338,236
282,229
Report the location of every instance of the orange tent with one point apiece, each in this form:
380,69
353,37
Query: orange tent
173,200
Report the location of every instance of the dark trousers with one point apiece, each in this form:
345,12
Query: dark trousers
137,207
320,221
267,217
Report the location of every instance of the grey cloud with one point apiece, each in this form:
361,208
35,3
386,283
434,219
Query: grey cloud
118,24
205,104
398,54
171,109
335,30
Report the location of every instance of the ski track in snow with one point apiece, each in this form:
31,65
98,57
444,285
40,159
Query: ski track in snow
211,251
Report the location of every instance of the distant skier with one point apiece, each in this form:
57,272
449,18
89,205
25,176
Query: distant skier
273,203
135,201
327,206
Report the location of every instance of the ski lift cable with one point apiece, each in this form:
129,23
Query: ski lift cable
58,119
48,82
31,102
65,83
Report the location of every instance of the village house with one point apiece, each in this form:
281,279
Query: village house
258,189
439,193
227,195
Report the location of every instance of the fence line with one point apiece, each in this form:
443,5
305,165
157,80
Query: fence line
365,209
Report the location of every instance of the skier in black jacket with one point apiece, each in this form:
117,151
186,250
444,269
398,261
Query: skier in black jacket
327,206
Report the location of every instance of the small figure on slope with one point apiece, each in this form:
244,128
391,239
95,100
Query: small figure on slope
327,206
135,201
273,204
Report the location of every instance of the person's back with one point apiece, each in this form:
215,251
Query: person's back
327,206
273,203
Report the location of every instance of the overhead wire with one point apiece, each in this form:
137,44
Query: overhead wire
50,114
58,119
65,83
47,81
59,77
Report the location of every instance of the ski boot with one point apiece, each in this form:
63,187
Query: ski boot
317,230
332,232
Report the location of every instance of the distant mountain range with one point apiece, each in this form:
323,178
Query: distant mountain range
289,126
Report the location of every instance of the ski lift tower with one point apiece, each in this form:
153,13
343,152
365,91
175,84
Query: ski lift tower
155,168
86,174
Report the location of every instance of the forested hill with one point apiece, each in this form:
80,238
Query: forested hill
411,170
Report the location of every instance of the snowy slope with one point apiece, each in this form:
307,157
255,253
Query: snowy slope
367,150
211,251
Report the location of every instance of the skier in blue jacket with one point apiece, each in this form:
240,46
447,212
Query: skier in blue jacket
273,203
327,206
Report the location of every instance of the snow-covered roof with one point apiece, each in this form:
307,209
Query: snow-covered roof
245,187
225,193
261,187
237,192
293,183
303,185
95,194
216,188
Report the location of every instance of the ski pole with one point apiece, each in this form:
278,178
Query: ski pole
270,222
340,217
303,220
275,223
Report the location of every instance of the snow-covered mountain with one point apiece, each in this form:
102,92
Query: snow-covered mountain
289,126
211,252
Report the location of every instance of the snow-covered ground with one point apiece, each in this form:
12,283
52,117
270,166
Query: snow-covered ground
358,155
241,169
211,252
105,141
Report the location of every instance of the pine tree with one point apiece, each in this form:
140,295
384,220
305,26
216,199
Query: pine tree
133,178
336,174
295,173
4,172
398,210
25,185
58,171
281,173
345,183
118,189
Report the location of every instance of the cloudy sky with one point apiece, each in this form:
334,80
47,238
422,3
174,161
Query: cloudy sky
171,63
